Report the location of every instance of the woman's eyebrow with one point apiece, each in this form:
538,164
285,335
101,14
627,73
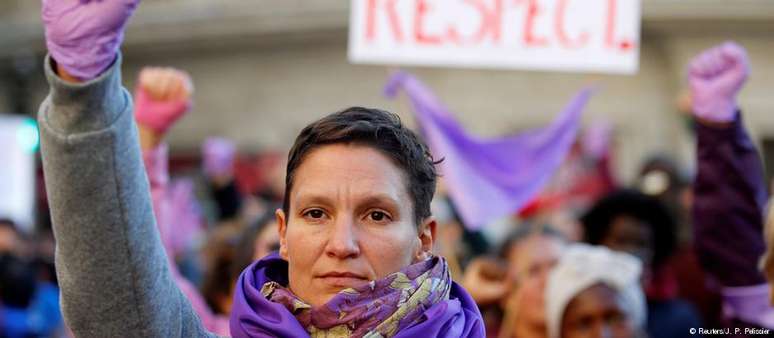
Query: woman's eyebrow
306,199
379,199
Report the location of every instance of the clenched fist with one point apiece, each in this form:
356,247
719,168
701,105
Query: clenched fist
163,95
83,36
716,76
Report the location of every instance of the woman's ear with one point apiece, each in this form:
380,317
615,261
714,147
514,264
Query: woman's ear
283,229
426,238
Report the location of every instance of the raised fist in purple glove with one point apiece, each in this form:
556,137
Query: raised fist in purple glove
83,36
715,77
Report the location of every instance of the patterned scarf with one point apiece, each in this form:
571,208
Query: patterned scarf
379,309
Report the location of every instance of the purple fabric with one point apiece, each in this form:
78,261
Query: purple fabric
184,209
218,156
729,196
750,304
255,316
716,76
83,36
490,178
383,307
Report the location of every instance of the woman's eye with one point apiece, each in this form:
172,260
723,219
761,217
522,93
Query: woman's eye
315,213
378,216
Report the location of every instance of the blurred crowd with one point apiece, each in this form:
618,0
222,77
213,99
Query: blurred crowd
589,256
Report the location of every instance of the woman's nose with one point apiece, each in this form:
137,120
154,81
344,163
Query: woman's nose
343,242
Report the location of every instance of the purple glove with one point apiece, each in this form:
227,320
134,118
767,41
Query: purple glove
83,36
218,156
716,76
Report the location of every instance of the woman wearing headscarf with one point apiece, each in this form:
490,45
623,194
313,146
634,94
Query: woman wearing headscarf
595,292
355,227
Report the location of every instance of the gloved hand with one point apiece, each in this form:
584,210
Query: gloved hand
83,36
716,76
218,154
163,96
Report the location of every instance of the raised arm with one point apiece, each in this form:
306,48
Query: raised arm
729,191
110,262
162,97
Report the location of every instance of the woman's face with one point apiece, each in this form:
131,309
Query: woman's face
534,256
530,319
596,313
630,235
351,220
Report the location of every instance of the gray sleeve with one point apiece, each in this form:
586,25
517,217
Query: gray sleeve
110,262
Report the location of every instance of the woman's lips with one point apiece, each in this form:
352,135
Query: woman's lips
343,279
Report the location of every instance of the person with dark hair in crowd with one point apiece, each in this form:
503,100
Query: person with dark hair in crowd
531,252
595,292
632,222
231,255
9,236
28,308
256,242
729,191
355,226
661,178
218,156
512,303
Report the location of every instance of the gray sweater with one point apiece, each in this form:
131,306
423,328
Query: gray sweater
109,259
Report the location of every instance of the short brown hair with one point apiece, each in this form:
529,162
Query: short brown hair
380,130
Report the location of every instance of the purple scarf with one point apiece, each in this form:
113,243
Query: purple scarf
490,178
419,301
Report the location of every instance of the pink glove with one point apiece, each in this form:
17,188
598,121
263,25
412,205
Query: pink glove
218,154
716,76
83,36
159,116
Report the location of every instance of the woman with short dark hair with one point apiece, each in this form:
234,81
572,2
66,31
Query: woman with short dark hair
355,229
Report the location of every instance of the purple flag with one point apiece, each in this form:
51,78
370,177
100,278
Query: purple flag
490,178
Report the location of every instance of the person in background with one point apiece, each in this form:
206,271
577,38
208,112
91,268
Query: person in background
632,222
28,308
729,189
525,311
162,97
531,252
9,236
595,292
218,156
526,257
661,178
253,243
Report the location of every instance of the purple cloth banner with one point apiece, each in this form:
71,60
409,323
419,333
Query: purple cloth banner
490,178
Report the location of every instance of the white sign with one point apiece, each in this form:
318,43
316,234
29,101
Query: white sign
19,139
558,35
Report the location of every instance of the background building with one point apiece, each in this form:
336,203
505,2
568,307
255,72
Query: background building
265,68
